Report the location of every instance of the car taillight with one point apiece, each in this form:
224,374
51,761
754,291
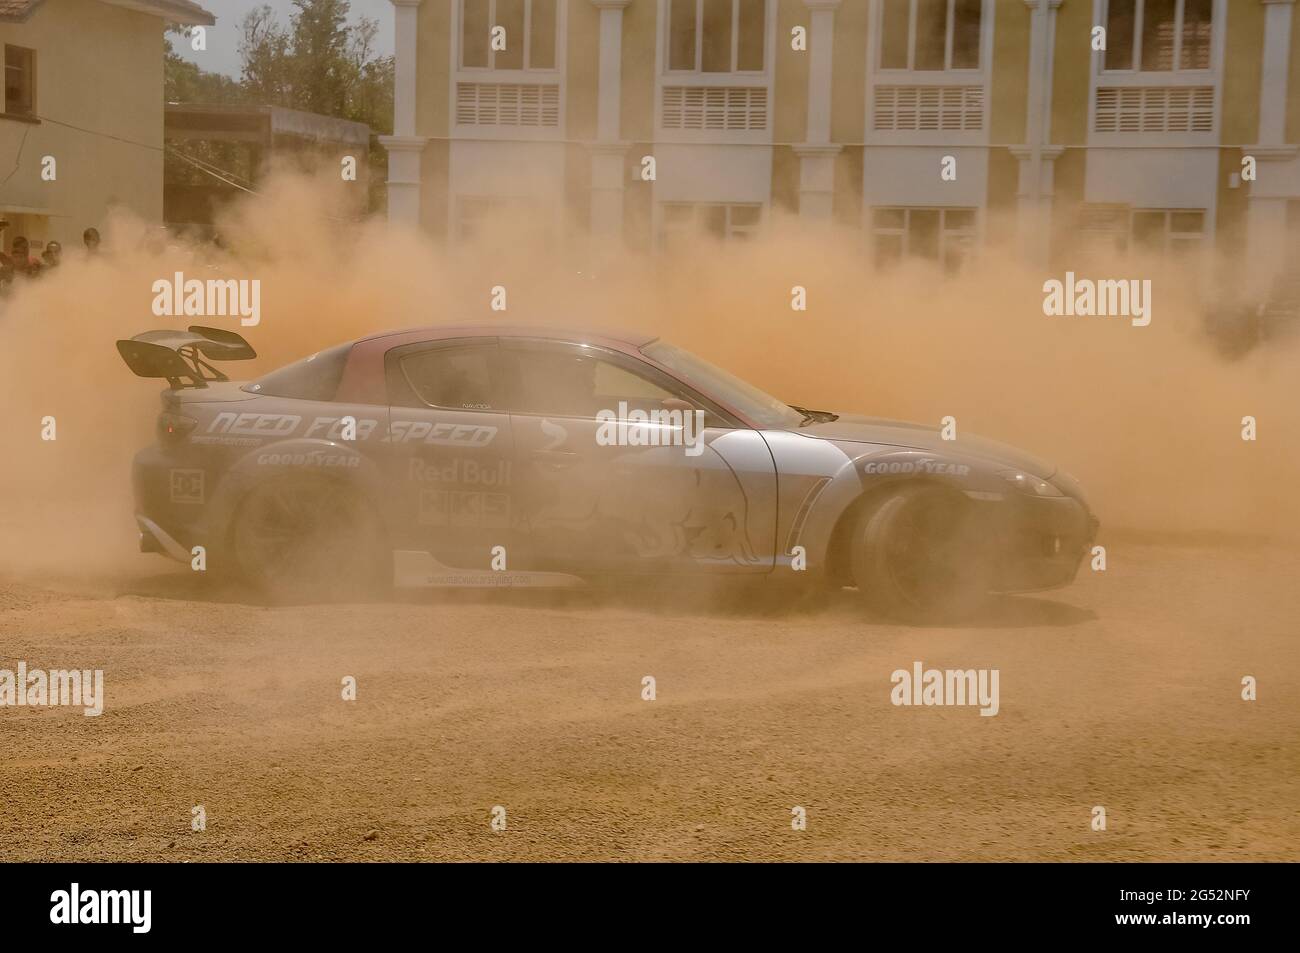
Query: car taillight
174,427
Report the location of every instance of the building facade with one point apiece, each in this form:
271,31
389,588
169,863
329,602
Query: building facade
927,128
81,130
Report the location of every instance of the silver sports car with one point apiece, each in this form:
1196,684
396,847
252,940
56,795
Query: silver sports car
489,456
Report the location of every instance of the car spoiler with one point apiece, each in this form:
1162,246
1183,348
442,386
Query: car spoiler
183,356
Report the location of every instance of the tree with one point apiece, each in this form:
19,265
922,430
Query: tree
185,82
265,51
319,64
323,75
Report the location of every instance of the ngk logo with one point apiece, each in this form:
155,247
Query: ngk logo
255,425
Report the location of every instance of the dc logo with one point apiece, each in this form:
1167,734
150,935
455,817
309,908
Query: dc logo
187,486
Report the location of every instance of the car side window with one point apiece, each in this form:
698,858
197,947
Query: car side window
456,377
574,381
614,384
313,378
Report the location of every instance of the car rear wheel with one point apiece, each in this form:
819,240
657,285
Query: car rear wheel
308,537
918,555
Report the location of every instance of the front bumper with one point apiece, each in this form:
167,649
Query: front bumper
1040,542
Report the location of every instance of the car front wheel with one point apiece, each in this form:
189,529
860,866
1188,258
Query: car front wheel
918,555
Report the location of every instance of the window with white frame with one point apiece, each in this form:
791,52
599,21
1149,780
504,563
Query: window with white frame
717,36
1167,231
527,31
1117,229
1103,228
1158,36
682,221
942,235
930,34
20,81
1114,229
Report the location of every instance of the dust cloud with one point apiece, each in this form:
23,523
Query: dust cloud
1149,418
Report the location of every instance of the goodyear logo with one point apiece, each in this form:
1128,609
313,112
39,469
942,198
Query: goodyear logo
916,466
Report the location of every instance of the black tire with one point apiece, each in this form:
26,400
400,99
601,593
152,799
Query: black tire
307,537
918,555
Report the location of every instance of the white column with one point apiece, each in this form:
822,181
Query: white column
817,153
1037,157
404,146
609,151
1266,211
1034,194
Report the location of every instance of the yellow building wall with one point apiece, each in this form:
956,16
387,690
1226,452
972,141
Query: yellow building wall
582,86
789,105
433,68
1010,77
1071,87
1293,88
637,108
849,75
790,96
849,109
1243,64
433,114
1242,69
1071,72
100,68
582,72
638,85
1007,117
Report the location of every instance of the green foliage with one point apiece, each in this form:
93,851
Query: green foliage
185,82
318,63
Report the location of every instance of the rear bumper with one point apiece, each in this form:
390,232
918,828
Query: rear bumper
154,539
170,498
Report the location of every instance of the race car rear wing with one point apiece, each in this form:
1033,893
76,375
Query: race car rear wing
180,356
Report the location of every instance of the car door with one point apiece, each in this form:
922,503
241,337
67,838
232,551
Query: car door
592,496
450,450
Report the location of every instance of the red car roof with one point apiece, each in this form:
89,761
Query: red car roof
622,339
363,377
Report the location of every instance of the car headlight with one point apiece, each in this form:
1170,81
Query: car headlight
1028,483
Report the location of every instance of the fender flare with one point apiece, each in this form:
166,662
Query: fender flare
336,459
874,472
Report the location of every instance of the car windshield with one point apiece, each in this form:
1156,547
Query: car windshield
764,409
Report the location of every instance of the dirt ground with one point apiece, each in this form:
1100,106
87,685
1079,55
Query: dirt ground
1121,691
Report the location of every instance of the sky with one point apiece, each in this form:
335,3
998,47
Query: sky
222,54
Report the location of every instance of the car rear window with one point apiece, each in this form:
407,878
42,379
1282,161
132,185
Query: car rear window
313,378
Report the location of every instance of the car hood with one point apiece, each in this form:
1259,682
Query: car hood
900,433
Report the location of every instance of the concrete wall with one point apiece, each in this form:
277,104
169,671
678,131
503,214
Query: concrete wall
99,67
